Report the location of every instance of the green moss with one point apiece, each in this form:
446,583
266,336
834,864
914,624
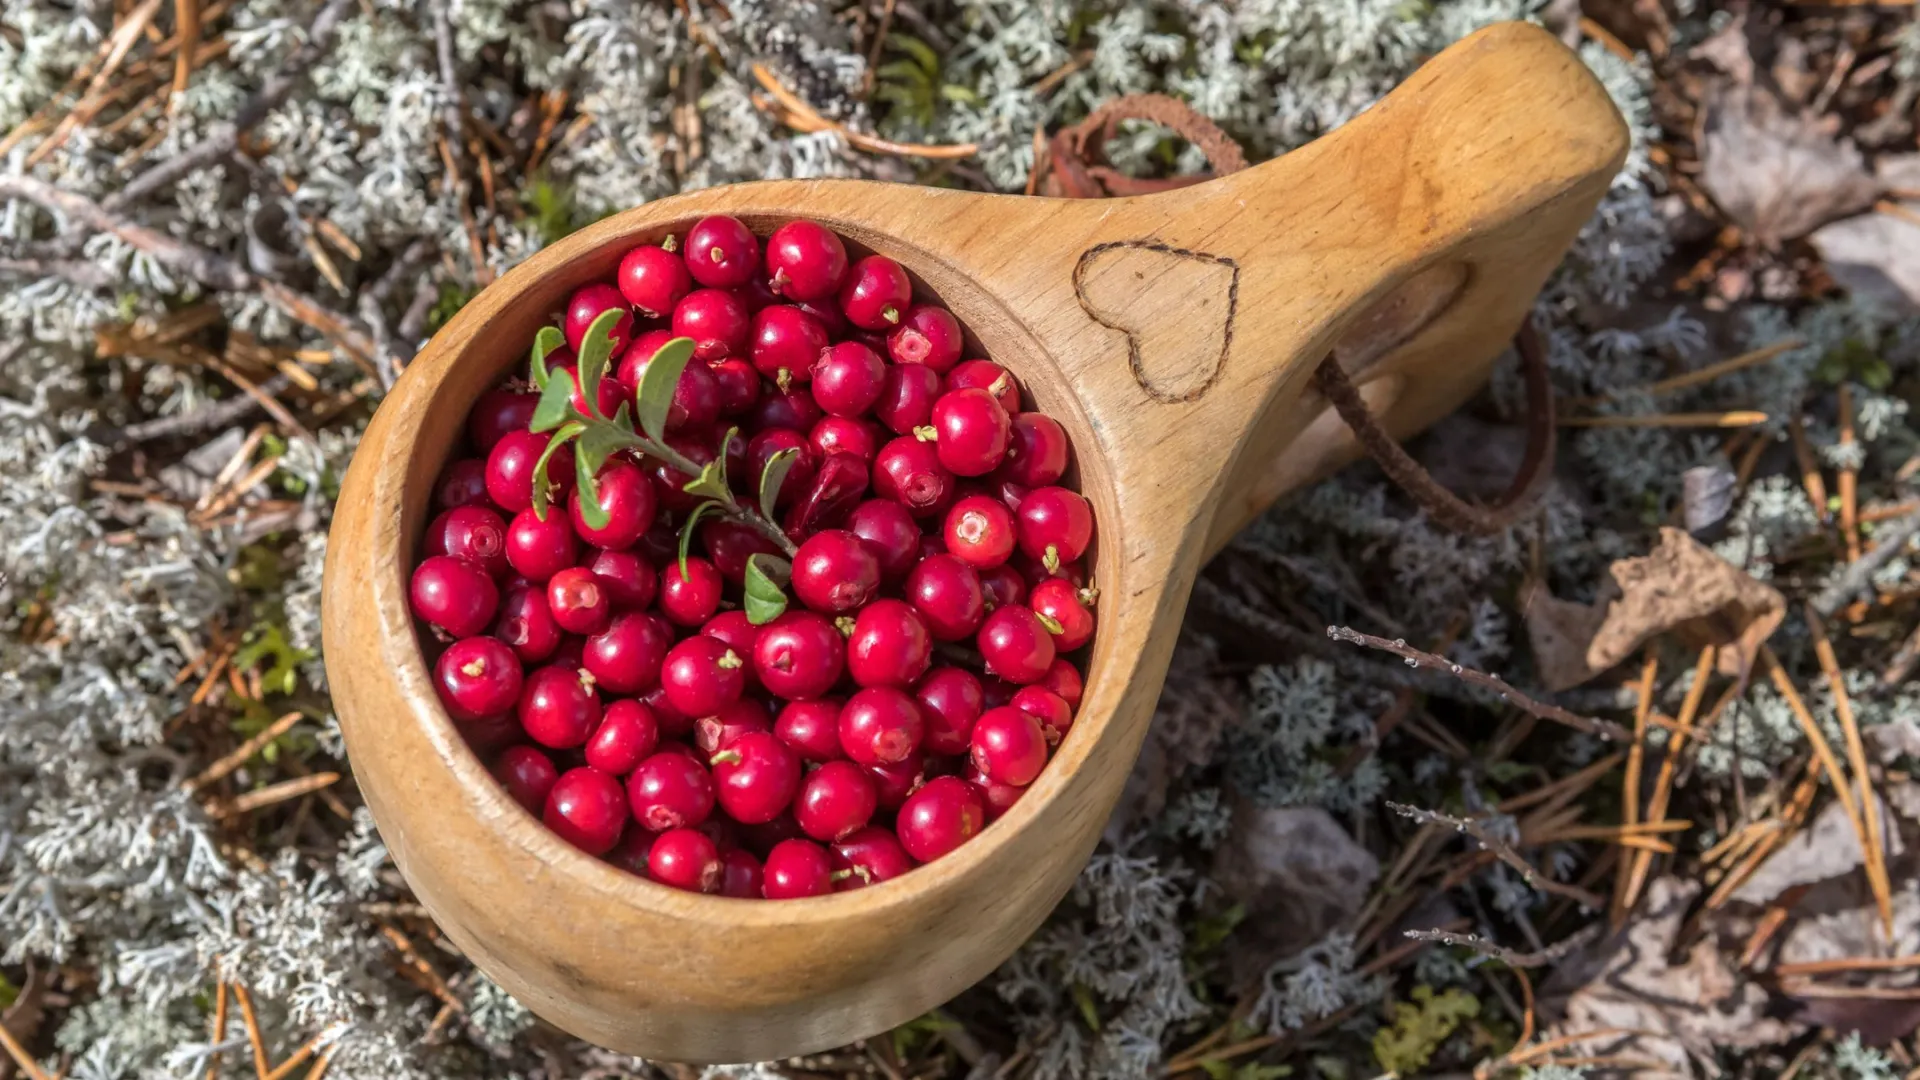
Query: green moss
1420,1026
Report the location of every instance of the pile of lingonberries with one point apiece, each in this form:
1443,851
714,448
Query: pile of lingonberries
727,429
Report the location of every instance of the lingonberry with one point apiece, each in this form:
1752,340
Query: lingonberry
802,462
876,293
586,809
1063,679
738,632
625,658
739,385
812,728
805,261
990,377
559,707
670,790
908,471
497,413
799,655
868,856
785,343
848,378
692,598
888,531
538,549
627,577
578,602
971,431
702,676
569,653
1015,644
756,294
795,869
929,335
457,596
834,572
716,320
948,595
889,646
477,678
845,435
473,533
1060,604
627,736
838,485
979,531
880,726
755,777
906,397
779,408
527,774
1055,525
835,800
587,304
941,816
711,734
653,279
630,853
607,393
740,875
463,484
729,545
1004,587
686,859
510,468
673,722
762,838
996,797
721,252
1009,745
526,623
697,396
893,783
1037,451
950,700
1048,709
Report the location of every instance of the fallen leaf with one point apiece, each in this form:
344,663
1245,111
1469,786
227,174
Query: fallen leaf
1681,587
1875,257
1298,875
1824,851
1706,496
1778,175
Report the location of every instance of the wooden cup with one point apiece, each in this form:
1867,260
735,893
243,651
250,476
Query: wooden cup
1172,334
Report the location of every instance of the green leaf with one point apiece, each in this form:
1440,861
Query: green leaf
591,511
548,339
711,483
960,95
655,394
766,595
686,532
903,71
1089,1011
774,475
542,485
555,407
919,50
595,350
267,642
599,441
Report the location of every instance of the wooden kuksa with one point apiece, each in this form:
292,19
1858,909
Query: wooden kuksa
1173,334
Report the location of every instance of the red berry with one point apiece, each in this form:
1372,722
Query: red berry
889,646
990,377
802,462
906,397
627,577
941,816
786,342
971,431
587,304
762,838
998,798
797,868
729,545
736,630
477,677
876,293
1015,645
909,472
895,782
1055,525
833,572
697,396
691,599
630,853
838,485
1009,745
805,261
755,777
673,722
979,531
880,726
948,595
834,800
528,775
740,874
670,790
626,657
538,549
738,383
653,279
510,469
812,728
721,252
868,856
1003,586
526,623
928,335
473,533
712,734
845,435
716,320
568,654
888,531
607,393
799,656
1057,600
702,676
463,484
1063,679
497,413
578,602
1037,450
778,408
686,859
586,810
1048,709
558,707
627,735
950,700
848,378
458,596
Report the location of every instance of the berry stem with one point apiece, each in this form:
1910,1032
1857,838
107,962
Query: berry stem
623,434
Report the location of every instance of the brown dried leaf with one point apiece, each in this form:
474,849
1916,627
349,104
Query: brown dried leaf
1780,176
1876,256
1681,587
1297,873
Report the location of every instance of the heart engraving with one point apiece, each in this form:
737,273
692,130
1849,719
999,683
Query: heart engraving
1175,306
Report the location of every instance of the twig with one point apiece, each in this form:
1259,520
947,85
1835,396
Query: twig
1849,478
1852,993
119,43
1702,375
275,793
801,115
1731,419
19,1055
1630,784
1858,576
1811,478
1902,663
1875,852
254,1039
219,1029
218,415
1516,960
1642,861
1501,850
244,751
1847,963
186,21
1603,729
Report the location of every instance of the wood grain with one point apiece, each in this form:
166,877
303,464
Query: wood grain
1188,413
